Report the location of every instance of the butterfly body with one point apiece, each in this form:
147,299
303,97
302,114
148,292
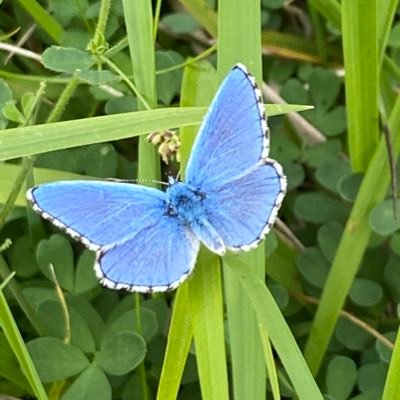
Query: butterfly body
185,202
147,239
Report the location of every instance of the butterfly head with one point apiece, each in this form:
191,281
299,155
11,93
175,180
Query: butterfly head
172,180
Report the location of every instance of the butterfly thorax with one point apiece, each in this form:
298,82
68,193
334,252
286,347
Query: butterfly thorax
185,202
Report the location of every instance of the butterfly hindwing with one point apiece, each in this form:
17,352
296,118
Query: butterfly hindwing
138,247
158,258
243,211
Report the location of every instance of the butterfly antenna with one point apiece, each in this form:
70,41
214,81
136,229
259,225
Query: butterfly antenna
153,181
182,168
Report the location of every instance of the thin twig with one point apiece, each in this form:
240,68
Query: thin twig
21,41
306,131
61,298
285,231
384,125
302,17
368,328
20,51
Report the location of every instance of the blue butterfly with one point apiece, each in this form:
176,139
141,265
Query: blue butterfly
147,240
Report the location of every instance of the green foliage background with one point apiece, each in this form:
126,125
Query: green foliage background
313,312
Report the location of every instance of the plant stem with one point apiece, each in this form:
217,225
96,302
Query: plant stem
16,291
141,368
156,19
17,344
30,78
27,164
63,100
189,61
103,17
126,80
6,281
119,46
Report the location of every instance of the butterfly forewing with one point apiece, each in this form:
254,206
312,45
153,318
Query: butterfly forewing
243,188
232,137
100,213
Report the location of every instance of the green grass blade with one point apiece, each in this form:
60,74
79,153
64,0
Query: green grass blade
352,246
50,25
239,40
281,267
391,390
198,87
36,139
360,47
9,367
288,45
271,319
208,326
387,95
16,291
269,362
319,35
279,109
139,25
14,338
330,9
179,338
8,173
203,13
386,12
248,367
199,84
